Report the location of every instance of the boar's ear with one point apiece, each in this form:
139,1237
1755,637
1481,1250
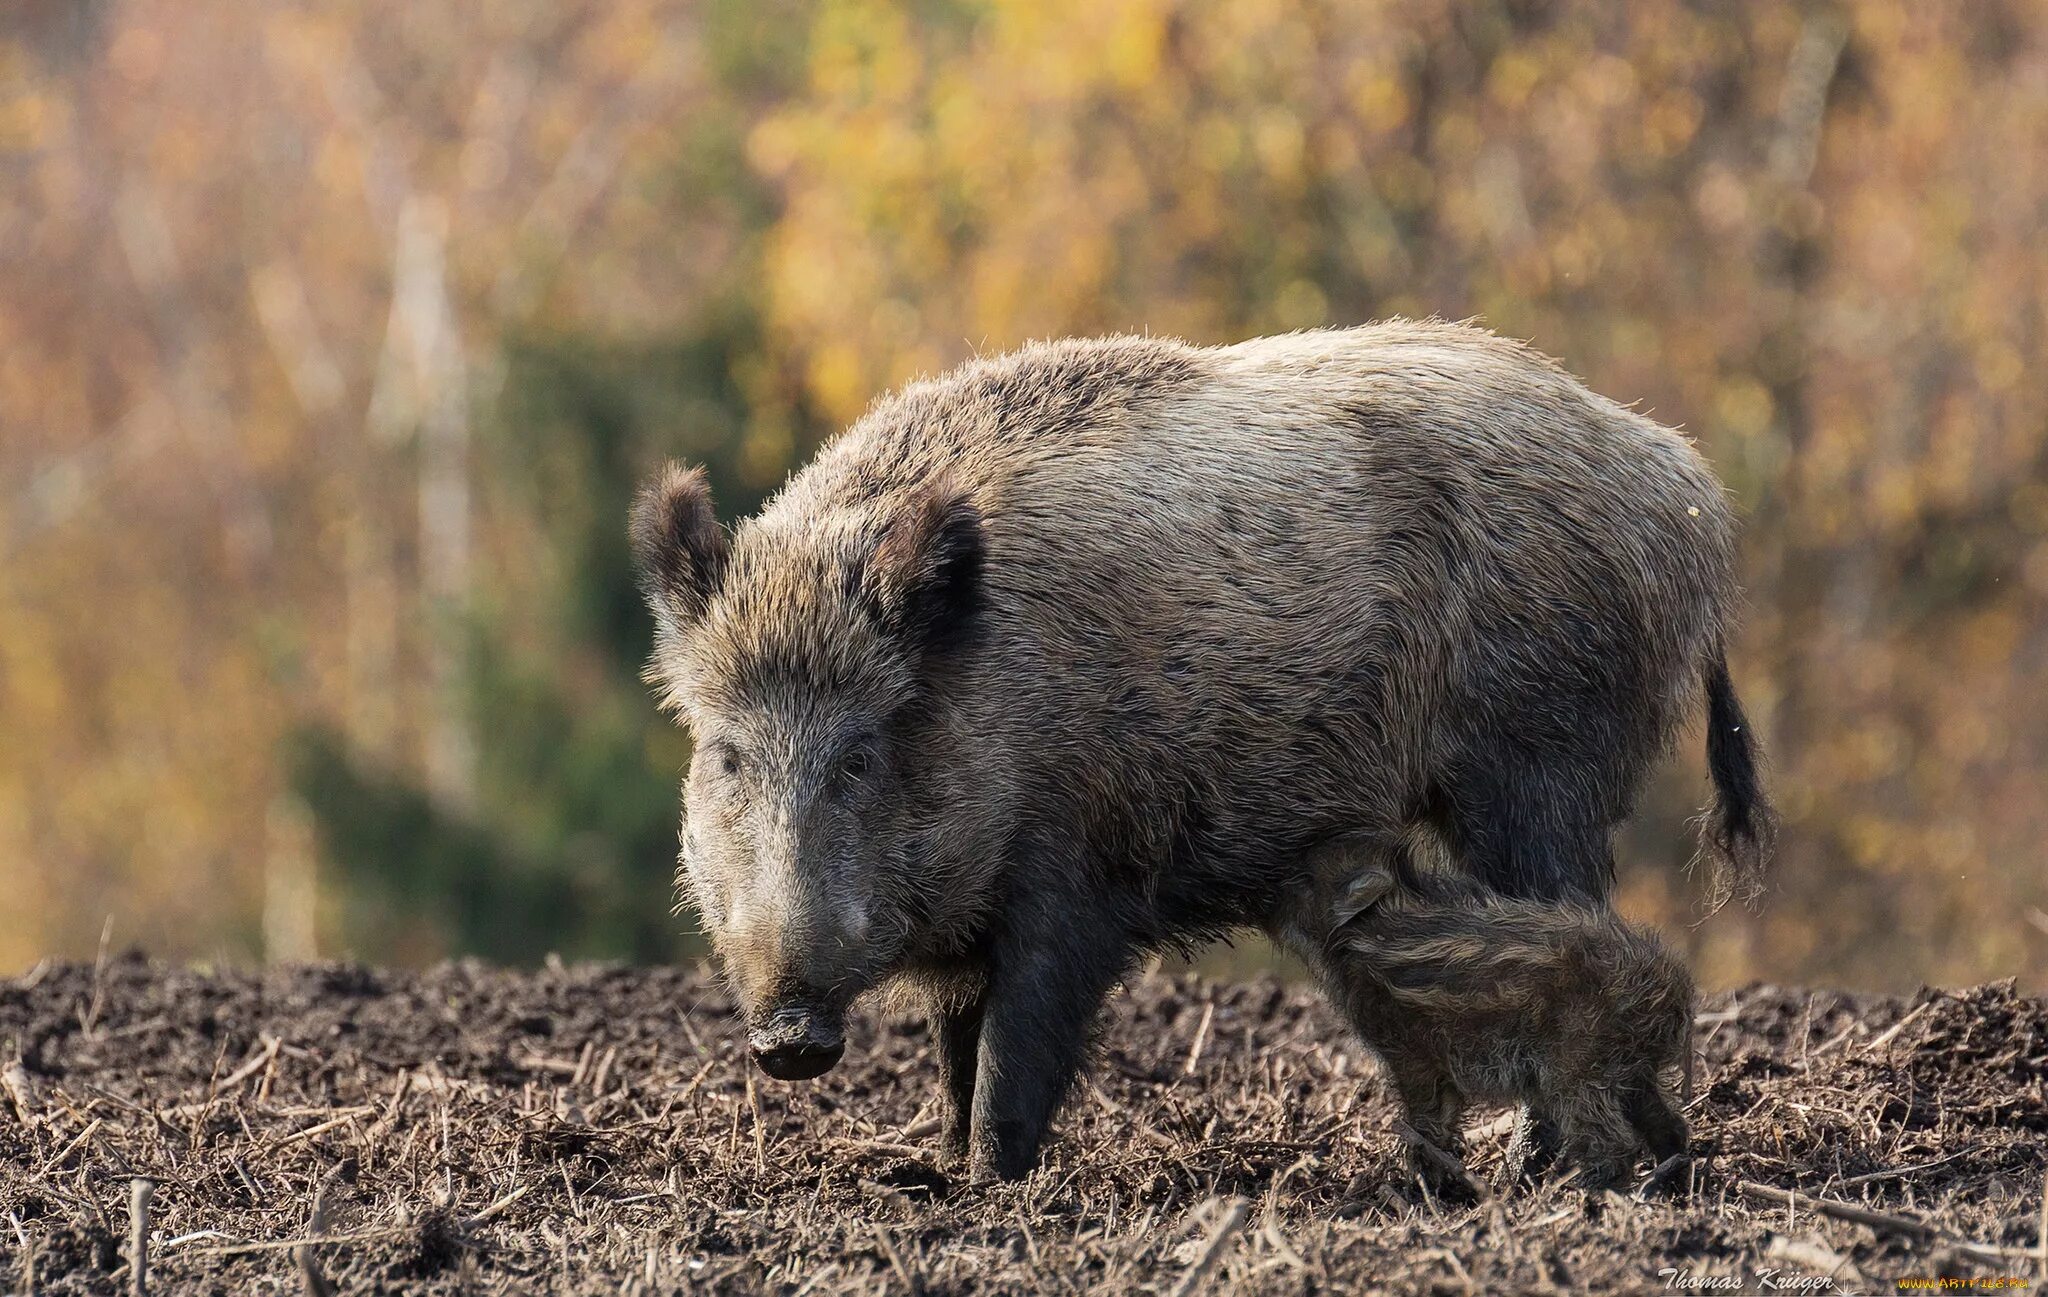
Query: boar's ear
1361,894
678,546
923,580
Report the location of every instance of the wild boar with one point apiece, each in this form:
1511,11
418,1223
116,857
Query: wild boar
1073,653
1470,996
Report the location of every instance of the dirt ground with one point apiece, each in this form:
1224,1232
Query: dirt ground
595,1130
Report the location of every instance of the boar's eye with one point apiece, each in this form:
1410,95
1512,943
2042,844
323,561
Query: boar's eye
853,765
726,758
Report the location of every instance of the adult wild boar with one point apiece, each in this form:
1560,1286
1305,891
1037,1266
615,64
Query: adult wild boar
1051,659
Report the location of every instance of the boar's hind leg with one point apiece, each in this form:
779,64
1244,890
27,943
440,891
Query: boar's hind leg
1535,832
1045,984
956,1036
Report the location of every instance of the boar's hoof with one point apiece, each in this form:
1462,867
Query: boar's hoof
795,1045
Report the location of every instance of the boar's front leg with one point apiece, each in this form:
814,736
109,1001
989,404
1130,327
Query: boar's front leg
1046,982
956,1037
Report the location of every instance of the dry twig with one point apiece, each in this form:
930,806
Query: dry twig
1212,1250
21,1091
895,1260
1883,1222
316,1224
1450,1167
1201,1039
139,1190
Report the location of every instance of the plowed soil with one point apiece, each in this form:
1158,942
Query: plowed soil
597,1130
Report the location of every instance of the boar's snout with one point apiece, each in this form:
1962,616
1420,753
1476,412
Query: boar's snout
796,1044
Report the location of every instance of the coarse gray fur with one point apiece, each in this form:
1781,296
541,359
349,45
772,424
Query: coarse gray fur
1074,652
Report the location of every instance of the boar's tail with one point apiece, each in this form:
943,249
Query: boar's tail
1739,828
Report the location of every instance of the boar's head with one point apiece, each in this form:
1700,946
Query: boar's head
1347,876
799,653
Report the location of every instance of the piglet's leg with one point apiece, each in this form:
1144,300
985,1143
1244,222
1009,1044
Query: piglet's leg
1534,1146
1434,1106
1650,1111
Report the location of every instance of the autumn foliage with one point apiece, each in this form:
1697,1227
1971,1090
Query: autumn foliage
333,334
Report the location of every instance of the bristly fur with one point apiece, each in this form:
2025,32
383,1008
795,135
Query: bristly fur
1172,615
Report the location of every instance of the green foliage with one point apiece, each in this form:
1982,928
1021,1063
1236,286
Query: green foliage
572,842
419,869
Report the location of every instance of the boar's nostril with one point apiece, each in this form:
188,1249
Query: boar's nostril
796,1045
798,1060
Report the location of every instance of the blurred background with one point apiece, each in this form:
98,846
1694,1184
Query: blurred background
334,335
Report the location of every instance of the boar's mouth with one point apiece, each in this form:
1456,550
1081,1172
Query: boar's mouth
797,1042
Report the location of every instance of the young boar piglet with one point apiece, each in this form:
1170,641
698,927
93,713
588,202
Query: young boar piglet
1467,995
